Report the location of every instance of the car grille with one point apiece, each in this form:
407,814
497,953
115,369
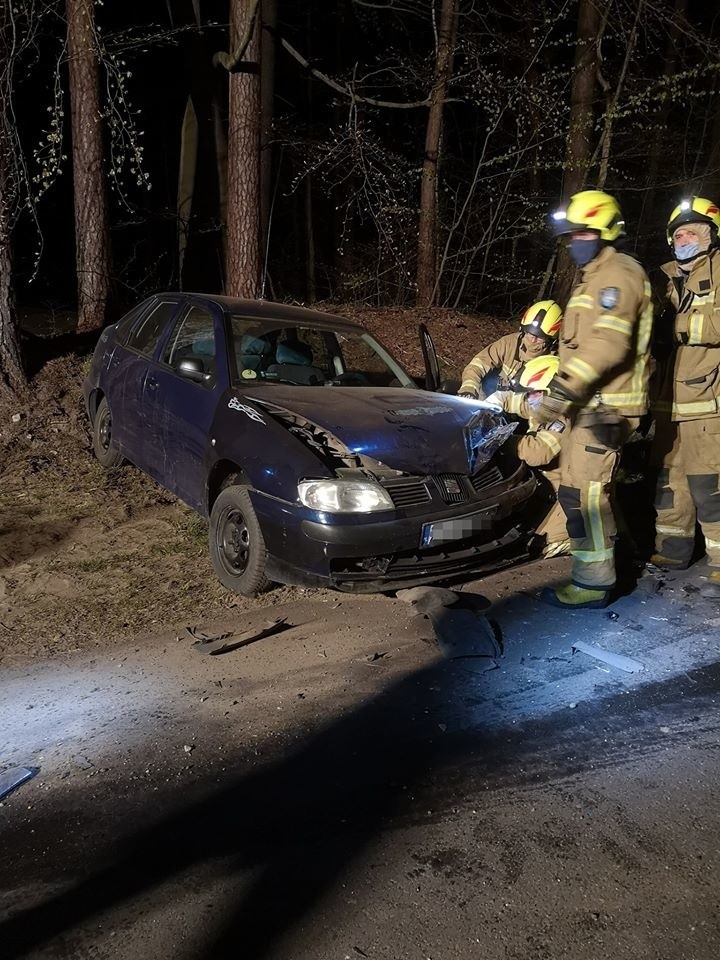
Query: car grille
407,491
451,487
486,478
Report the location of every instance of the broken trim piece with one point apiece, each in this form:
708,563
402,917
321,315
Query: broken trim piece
605,656
14,777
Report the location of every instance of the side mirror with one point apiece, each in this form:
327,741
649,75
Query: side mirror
449,386
192,369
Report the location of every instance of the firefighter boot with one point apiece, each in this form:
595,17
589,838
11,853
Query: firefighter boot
572,597
658,560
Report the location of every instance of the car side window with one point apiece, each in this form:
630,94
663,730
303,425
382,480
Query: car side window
193,339
125,323
145,336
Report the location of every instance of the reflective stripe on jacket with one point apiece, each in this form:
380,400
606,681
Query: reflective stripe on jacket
504,355
691,381
605,335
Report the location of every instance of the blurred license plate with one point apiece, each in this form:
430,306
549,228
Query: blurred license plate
457,528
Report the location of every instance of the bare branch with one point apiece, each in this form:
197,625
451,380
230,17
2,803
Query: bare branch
231,60
347,90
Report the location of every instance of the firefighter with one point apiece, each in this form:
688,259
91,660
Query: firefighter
540,446
539,328
601,386
687,431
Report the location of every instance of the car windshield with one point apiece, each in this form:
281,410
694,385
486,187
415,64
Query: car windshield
283,352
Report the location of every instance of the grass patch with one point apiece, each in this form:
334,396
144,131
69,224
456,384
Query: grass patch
194,528
99,564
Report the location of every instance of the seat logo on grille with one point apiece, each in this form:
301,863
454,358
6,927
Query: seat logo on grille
451,485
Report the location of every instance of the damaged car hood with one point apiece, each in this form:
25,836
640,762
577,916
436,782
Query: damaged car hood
408,430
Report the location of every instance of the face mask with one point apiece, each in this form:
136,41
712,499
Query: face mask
686,251
583,251
535,349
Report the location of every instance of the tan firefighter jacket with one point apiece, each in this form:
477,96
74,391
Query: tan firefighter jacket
605,335
540,446
691,382
506,355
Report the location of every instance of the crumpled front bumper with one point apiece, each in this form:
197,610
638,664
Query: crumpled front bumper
373,555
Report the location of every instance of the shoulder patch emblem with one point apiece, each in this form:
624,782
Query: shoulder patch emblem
609,297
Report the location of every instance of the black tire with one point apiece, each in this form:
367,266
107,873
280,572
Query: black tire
103,448
237,546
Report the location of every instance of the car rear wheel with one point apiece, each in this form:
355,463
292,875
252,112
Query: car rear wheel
237,546
103,447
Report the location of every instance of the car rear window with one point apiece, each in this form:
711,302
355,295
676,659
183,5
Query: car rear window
145,336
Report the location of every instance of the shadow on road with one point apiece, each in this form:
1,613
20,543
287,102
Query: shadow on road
300,821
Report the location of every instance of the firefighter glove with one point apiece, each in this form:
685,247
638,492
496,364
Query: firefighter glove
555,403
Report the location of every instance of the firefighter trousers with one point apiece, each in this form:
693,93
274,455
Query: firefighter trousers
587,468
553,525
688,488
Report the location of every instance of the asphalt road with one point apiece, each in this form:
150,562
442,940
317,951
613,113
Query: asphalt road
345,790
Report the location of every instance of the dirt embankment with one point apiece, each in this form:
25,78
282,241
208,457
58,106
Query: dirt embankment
87,555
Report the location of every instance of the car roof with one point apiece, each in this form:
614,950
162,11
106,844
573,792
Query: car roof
268,310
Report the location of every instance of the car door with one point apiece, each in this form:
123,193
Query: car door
433,375
430,360
128,368
182,410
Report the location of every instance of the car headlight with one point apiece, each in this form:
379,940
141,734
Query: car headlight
344,496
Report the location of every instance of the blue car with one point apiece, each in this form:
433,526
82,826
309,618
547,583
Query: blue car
315,457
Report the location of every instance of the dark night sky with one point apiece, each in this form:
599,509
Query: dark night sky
144,234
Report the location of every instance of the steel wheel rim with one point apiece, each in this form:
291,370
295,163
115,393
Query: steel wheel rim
104,430
234,542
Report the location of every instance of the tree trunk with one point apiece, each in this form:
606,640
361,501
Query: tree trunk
310,275
711,184
242,271
189,141
614,99
12,375
579,147
267,94
221,166
658,145
427,228
91,216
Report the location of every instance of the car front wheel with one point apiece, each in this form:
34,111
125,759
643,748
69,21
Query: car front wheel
237,546
103,447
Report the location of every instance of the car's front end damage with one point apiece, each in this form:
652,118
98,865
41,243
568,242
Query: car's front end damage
442,526
461,510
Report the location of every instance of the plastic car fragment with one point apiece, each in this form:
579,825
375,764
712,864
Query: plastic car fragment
228,641
14,777
605,656
485,433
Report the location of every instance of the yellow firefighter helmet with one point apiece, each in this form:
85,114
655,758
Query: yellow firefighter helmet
538,372
590,210
694,210
542,319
